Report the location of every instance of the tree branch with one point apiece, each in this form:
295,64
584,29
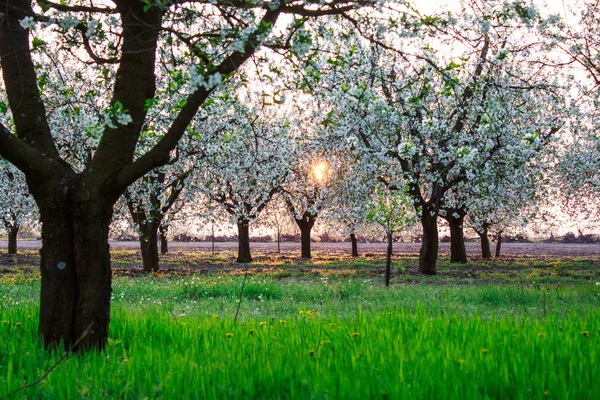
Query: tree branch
159,155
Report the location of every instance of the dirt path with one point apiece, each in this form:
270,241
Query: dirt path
473,249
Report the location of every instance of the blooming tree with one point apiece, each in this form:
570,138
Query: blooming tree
245,163
438,118
205,42
17,207
393,211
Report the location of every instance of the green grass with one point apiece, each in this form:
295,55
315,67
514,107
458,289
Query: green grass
317,336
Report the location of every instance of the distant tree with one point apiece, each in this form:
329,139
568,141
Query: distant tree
17,207
393,211
245,164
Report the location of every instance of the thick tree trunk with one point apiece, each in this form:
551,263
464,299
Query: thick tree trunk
164,243
498,244
75,269
305,231
388,260
354,245
149,246
12,240
458,253
485,242
243,242
429,248
305,224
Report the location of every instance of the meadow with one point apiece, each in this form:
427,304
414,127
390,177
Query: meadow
519,328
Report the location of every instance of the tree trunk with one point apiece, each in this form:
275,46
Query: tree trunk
164,244
243,242
305,231
499,244
305,224
429,247
485,242
278,240
149,246
458,253
12,240
388,260
75,268
212,239
354,245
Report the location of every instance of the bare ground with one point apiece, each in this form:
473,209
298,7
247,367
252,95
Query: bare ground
292,249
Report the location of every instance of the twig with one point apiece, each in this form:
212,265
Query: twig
41,378
240,301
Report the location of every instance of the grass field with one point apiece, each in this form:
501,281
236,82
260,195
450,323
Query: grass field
527,330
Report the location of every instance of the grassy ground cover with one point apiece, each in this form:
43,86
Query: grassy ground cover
323,333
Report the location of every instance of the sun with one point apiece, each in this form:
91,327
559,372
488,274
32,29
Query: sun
320,171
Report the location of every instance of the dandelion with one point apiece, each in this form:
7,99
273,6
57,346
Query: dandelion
545,393
332,325
460,361
311,353
215,316
585,334
355,334
359,355
282,321
5,322
229,335
18,324
541,334
484,351
251,332
263,324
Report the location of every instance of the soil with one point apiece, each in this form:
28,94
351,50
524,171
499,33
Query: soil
517,261
534,250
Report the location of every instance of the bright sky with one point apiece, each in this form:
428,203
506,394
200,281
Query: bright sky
551,6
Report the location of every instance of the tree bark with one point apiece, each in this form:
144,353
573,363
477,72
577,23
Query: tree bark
458,253
499,244
75,267
485,242
12,239
388,260
244,255
164,243
429,248
305,224
305,241
354,245
149,246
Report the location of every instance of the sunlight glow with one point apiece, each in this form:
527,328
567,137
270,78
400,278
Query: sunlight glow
320,171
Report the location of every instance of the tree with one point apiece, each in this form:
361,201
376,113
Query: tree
149,200
258,147
204,44
392,211
308,190
17,207
350,192
435,118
